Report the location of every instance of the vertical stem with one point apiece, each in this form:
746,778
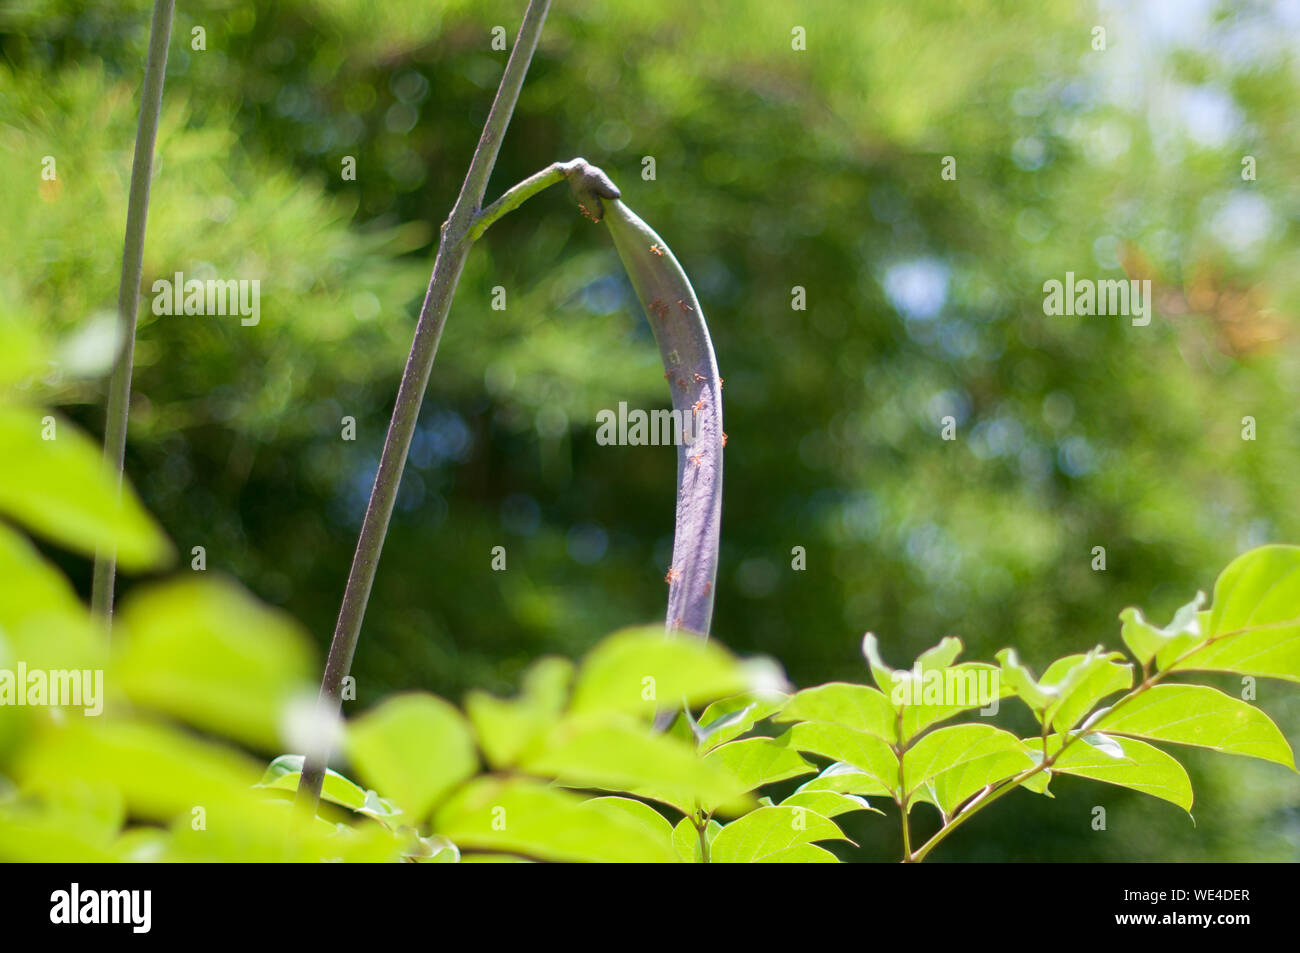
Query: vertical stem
128,294
907,834
453,248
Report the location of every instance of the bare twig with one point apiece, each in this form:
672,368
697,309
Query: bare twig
128,294
452,250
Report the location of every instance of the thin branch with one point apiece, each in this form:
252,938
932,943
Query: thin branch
128,293
452,250
518,195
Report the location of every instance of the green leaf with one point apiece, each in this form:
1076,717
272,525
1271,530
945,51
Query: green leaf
284,773
1201,716
950,789
829,803
160,771
529,818
643,670
1146,640
42,620
844,778
505,728
949,691
948,748
934,689
939,657
1254,624
731,717
866,752
1038,697
1080,681
205,651
800,854
1141,767
625,755
686,839
638,812
854,706
434,849
413,747
60,489
755,762
765,833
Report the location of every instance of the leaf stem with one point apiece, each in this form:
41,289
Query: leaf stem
900,752
128,292
453,248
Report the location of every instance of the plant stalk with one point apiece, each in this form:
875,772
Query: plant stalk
128,293
453,248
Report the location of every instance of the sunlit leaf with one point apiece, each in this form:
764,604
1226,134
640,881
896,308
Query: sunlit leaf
844,778
754,762
948,748
1142,768
764,833
532,819
59,488
643,670
730,718
854,706
866,752
1201,716
507,727
829,803
205,651
1254,624
625,755
1080,682
413,747
640,813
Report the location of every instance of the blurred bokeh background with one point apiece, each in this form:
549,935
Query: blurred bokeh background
775,168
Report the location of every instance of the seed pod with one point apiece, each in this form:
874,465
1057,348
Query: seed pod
687,351
684,344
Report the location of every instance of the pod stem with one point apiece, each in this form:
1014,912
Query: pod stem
453,248
128,293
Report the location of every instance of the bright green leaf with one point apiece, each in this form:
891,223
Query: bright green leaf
768,831
854,706
533,819
755,762
946,749
644,670
413,747
60,489
1142,768
1201,716
205,651
867,753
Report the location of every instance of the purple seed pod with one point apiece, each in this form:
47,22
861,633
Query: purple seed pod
691,369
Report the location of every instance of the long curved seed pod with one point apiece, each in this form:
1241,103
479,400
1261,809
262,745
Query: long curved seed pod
691,369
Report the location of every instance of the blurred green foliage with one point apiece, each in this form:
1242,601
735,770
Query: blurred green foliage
775,168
